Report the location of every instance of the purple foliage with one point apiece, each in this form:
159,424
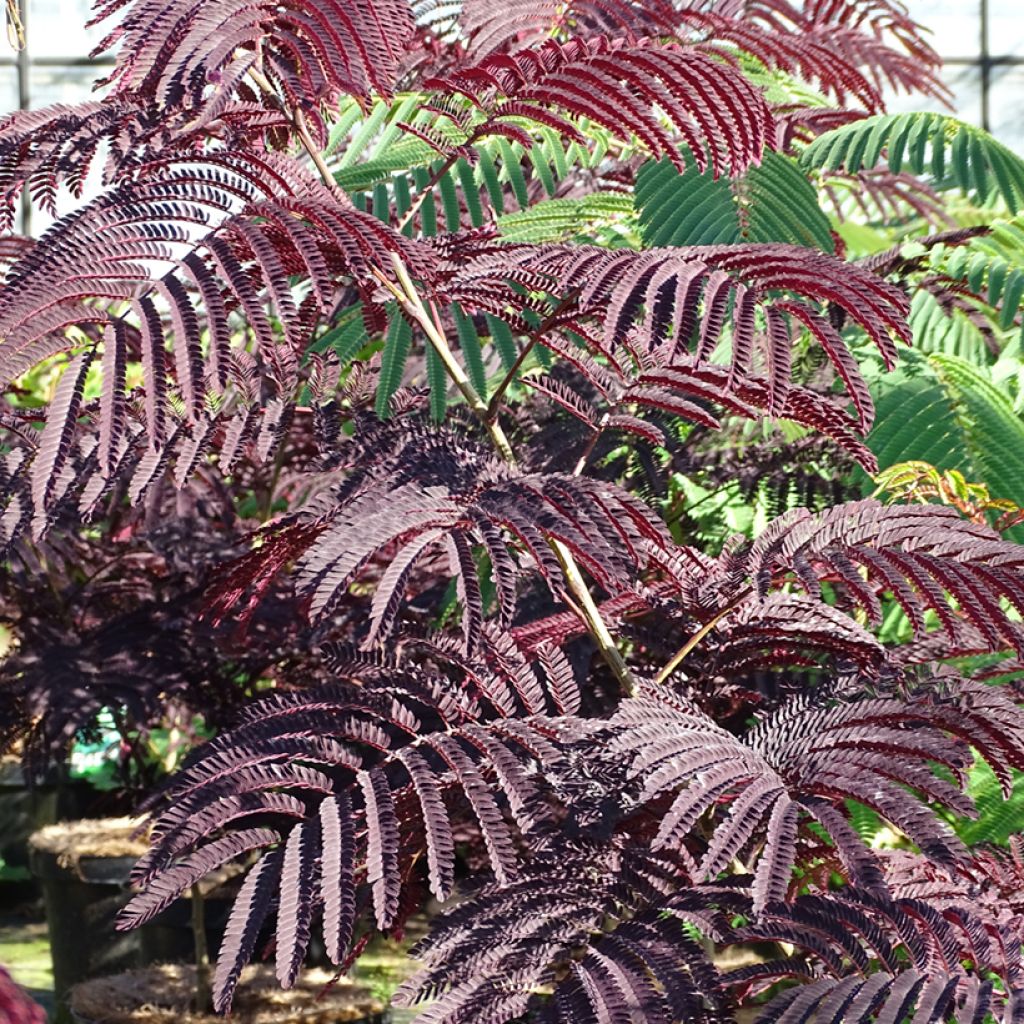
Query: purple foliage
483,654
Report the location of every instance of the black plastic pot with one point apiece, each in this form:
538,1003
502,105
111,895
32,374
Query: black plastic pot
25,808
168,938
82,902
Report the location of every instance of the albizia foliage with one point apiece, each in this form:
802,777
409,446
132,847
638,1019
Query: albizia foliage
16,1005
613,85
681,298
353,417
170,51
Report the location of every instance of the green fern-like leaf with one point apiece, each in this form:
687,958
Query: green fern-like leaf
346,337
992,266
947,331
392,362
951,152
558,220
998,818
993,430
772,202
437,381
866,821
385,164
472,353
947,412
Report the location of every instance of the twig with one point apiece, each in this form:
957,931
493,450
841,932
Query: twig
677,659
492,406
409,299
298,121
437,175
596,625
584,458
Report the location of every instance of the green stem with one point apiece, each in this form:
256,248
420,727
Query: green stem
409,299
596,626
591,616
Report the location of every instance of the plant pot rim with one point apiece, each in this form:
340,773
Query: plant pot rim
102,850
160,994
92,837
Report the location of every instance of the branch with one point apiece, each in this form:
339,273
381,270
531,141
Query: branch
409,299
591,615
298,121
544,326
677,659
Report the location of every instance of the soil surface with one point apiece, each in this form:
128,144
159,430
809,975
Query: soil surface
25,950
163,995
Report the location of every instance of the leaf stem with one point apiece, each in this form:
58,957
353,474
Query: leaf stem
677,659
591,615
410,300
584,458
435,177
535,335
298,120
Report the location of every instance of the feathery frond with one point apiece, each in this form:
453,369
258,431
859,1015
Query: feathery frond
712,108
367,774
683,298
169,51
799,762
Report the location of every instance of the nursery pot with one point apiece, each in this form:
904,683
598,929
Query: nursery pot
169,937
163,994
84,868
25,808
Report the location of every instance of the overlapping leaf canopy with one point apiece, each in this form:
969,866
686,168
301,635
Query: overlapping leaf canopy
445,297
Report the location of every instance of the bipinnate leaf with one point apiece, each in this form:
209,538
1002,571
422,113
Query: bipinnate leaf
807,755
372,774
619,85
574,938
55,443
381,846
295,910
337,889
921,555
463,496
170,884
680,300
885,959
925,142
314,52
